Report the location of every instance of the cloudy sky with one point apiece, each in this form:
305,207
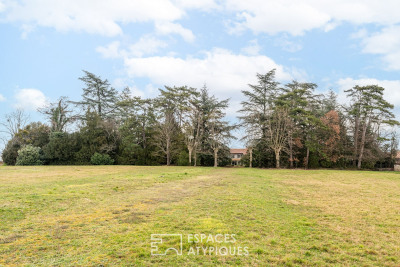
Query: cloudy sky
45,45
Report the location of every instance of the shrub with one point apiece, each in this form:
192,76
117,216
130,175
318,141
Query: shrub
35,134
313,162
183,159
10,152
368,165
101,159
29,155
61,148
246,160
224,160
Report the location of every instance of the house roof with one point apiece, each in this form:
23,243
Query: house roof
238,151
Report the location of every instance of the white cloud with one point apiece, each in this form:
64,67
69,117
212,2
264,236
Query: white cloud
30,99
252,49
225,73
2,98
360,34
166,28
2,6
385,43
277,16
285,44
137,92
391,93
93,16
273,16
26,30
112,50
122,83
146,45
119,83
297,17
203,4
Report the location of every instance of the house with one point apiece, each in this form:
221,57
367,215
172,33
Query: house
397,162
237,154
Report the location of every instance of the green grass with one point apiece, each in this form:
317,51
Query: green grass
104,216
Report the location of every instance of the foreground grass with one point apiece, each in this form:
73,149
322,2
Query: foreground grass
104,216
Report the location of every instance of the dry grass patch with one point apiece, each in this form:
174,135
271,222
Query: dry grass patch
363,209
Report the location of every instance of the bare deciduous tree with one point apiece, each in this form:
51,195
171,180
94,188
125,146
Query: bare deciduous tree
219,136
252,137
278,132
164,135
12,123
58,114
192,130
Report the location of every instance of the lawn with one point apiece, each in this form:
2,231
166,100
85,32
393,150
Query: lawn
105,216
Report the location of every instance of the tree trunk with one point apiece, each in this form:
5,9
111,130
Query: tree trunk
290,151
362,145
98,105
251,157
307,159
278,158
190,156
215,157
356,133
168,154
144,140
195,157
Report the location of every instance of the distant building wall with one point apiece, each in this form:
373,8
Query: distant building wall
237,154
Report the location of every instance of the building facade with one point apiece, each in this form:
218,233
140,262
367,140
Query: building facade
397,162
237,154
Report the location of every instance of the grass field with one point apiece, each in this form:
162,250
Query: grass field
104,216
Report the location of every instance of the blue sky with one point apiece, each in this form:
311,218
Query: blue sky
45,45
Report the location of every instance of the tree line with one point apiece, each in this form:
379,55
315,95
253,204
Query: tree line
283,126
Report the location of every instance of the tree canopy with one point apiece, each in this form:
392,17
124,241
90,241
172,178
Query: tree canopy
282,125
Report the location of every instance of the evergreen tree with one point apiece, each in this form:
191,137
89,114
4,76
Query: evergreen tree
256,111
303,108
98,96
216,133
369,111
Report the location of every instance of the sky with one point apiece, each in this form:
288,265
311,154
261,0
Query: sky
45,45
